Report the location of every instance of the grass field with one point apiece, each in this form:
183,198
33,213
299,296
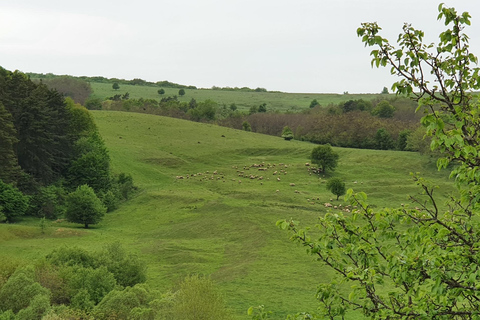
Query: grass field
244,100
214,221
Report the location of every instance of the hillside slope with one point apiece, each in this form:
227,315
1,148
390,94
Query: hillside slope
203,209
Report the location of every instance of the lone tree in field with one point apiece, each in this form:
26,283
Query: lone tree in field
181,92
83,206
324,157
420,261
287,133
161,91
115,86
336,186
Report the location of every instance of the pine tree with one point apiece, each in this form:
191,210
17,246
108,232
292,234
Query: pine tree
9,169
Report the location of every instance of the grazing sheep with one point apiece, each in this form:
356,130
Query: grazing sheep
292,184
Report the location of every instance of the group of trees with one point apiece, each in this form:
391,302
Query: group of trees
327,160
136,81
51,150
382,124
420,261
72,283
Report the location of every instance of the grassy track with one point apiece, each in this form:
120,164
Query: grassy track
244,100
216,222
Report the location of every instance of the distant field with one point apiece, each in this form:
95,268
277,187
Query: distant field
214,221
244,100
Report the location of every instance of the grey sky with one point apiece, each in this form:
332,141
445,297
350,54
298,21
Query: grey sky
291,46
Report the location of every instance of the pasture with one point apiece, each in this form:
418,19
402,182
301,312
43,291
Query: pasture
204,207
276,101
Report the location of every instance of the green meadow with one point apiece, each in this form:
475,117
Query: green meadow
204,207
278,101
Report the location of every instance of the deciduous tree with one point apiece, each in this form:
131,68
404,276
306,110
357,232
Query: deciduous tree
324,157
336,186
287,133
419,261
83,206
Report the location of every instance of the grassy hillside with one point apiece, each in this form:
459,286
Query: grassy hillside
216,220
244,100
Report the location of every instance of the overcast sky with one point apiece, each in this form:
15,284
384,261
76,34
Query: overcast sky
291,46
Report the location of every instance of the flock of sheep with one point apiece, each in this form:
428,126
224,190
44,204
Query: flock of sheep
261,172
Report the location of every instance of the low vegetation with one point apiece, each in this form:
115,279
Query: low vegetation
207,204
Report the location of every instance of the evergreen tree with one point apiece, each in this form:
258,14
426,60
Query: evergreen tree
42,123
9,169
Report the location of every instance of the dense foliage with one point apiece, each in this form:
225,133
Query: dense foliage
49,146
72,283
74,88
419,261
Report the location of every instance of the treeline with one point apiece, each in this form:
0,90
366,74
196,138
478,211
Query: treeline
50,147
242,89
386,124
72,283
381,123
135,81
378,124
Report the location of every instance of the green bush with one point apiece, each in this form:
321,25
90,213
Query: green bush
125,185
88,284
199,299
129,303
127,269
109,200
49,202
72,256
12,202
287,133
38,307
20,290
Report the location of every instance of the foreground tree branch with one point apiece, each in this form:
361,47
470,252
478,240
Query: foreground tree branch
419,261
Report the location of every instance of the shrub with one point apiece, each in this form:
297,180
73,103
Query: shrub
246,126
287,133
127,269
88,286
48,202
36,309
20,290
129,303
12,202
72,256
199,299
